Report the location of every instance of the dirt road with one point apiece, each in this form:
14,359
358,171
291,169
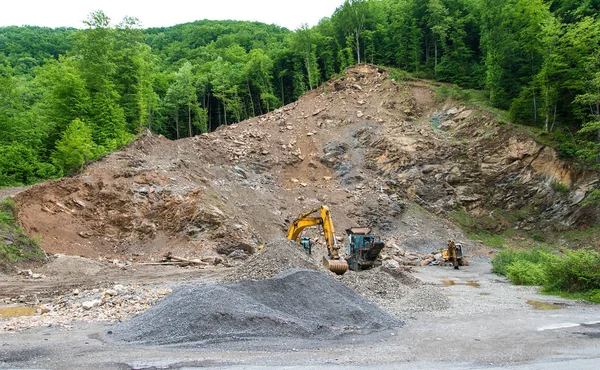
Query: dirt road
490,324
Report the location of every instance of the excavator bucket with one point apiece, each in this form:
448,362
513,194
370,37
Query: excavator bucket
336,266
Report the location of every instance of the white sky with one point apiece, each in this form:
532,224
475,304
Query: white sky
154,13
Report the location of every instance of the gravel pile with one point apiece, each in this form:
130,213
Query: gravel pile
277,256
298,303
395,291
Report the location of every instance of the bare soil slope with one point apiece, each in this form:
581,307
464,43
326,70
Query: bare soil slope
378,152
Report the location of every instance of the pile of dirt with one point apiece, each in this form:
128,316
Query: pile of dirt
62,266
277,256
297,303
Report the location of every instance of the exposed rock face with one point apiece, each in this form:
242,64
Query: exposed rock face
481,166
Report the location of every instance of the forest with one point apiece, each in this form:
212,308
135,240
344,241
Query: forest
69,96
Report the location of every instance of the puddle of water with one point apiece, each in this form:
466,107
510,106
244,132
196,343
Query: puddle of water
8,312
484,293
538,305
472,283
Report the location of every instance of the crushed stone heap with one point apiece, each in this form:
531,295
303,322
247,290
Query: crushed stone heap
277,256
297,303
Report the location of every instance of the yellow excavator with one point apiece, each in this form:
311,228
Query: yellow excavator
319,216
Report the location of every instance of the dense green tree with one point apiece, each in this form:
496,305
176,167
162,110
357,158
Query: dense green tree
75,148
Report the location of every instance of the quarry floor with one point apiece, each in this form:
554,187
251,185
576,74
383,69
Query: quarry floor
491,324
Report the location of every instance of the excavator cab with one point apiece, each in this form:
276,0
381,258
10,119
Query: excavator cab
363,248
306,243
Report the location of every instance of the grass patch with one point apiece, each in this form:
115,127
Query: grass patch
491,240
559,187
591,199
15,246
7,211
573,274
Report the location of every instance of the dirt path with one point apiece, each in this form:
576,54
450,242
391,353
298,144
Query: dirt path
489,324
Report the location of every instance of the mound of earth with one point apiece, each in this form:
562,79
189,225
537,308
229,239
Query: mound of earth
62,266
297,303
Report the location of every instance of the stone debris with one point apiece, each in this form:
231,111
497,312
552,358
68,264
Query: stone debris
297,303
112,304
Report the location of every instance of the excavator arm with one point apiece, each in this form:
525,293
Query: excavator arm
333,262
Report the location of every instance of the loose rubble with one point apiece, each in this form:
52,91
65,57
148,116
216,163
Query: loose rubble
296,303
112,304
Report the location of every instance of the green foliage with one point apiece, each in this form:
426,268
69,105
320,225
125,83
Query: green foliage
7,211
523,272
75,148
509,256
21,165
443,92
558,186
538,58
16,247
574,271
591,199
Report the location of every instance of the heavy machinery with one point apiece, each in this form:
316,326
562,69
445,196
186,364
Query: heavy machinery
454,254
319,216
363,248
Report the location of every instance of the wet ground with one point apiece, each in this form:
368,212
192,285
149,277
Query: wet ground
490,324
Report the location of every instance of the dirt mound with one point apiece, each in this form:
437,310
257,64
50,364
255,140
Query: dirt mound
63,266
296,303
277,256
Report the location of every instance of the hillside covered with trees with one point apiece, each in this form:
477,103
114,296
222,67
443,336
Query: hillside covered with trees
68,96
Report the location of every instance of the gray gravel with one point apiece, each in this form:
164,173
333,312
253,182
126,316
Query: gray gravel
396,291
298,303
277,256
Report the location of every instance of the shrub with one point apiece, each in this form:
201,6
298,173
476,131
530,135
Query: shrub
509,256
594,296
575,271
522,272
502,260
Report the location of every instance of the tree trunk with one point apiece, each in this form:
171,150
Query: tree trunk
190,118
251,101
435,63
149,119
207,106
282,92
554,118
177,122
547,108
307,61
356,33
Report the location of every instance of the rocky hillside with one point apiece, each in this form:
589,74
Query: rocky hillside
379,152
